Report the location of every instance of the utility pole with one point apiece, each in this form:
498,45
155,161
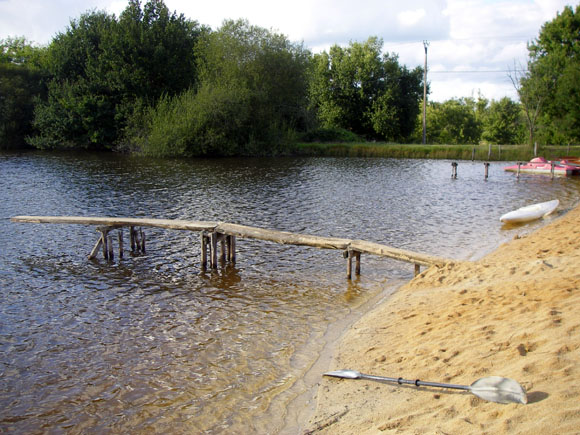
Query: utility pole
425,44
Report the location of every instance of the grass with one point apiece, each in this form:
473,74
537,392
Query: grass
415,151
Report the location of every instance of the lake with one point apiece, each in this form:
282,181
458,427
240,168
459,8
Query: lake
151,343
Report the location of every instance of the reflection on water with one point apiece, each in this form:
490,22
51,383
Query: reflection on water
152,344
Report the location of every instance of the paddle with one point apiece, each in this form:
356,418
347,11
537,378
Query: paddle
492,388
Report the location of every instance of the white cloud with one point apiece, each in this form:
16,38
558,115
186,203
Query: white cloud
410,18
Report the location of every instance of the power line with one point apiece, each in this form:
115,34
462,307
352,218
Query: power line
479,71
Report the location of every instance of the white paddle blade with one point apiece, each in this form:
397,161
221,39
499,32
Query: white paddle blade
499,390
347,374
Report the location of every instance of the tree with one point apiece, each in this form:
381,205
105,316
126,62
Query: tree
553,78
21,82
358,89
251,97
502,124
102,68
453,122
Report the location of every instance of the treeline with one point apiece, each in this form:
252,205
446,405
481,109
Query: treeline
154,82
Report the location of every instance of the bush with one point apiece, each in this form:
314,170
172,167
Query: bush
330,135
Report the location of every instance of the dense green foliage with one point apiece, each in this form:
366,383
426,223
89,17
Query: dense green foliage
359,89
154,82
250,100
552,84
21,83
102,68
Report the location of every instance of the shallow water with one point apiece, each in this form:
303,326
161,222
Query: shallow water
151,343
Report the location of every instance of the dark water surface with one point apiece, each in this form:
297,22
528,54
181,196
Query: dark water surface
150,344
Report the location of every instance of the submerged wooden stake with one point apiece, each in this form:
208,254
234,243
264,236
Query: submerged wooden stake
231,242
105,245
142,237
120,233
349,254
417,269
110,248
95,249
213,250
132,238
222,239
203,251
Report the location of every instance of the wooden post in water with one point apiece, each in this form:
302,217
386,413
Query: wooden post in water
95,249
348,264
132,238
231,244
519,166
142,237
454,170
110,248
203,250
213,250
417,269
104,233
222,239
486,165
120,243
349,254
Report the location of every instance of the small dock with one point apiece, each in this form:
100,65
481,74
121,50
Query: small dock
220,235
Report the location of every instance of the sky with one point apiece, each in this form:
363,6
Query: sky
472,44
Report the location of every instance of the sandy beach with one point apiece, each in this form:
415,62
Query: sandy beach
515,313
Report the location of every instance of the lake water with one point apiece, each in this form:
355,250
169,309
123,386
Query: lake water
150,343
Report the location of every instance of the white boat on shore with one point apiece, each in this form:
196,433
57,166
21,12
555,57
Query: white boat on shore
530,212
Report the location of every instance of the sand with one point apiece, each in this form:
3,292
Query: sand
515,313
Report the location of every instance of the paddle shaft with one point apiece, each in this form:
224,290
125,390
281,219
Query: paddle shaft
417,382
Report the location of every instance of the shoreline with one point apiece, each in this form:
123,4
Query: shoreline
303,406
511,313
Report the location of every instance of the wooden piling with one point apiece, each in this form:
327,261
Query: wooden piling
142,240
417,269
110,248
231,244
132,238
120,234
348,256
203,250
454,170
486,165
95,249
213,250
519,167
105,244
222,240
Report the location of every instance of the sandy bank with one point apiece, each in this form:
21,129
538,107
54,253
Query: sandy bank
515,313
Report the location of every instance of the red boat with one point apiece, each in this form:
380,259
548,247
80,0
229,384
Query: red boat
540,165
